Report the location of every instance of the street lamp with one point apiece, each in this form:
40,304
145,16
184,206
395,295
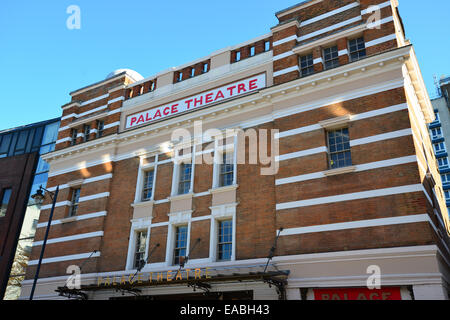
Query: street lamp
39,197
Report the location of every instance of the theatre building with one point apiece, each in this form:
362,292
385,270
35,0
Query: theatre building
323,183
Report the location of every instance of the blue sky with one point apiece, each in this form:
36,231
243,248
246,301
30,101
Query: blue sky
42,60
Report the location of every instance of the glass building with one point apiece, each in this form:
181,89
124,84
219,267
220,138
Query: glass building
41,138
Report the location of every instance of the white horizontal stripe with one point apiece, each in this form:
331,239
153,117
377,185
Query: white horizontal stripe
63,128
94,196
68,116
63,140
70,238
381,40
357,142
116,99
297,109
330,28
58,204
77,218
318,60
375,7
359,168
375,24
350,196
299,154
380,137
329,14
357,224
284,71
277,43
114,124
66,258
350,95
283,55
114,111
355,117
86,181
95,99
343,52
91,111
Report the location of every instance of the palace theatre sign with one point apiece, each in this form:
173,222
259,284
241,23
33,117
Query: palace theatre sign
191,103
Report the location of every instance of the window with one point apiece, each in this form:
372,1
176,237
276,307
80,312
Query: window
205,67
139,254
339,148
180,244
21,143
5,201
252,51
86,132
267,46
74,137
442,162
100,128
436,133
238,56
226,170
192,72
147,189
439,147
184,185
445,178
180,76
447,194
331,57
306,65
357,49
225,241
74,202
437,116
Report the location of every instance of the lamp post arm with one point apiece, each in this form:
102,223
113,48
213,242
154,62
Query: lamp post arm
36,276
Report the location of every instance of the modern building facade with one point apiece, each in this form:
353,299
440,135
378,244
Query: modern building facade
22,171
296,165
440,134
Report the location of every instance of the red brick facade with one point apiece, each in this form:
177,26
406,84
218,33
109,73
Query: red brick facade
389,179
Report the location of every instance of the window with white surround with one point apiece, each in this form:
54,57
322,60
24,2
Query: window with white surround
226,170
223,233
140,249
183,171
439,147
184,184
445,178
436,133
146,179
225,162
180,246
442,162
147,187
437,116
225,240
339,154
447,194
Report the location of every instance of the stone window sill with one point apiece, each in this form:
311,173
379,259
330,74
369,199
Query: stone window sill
338,171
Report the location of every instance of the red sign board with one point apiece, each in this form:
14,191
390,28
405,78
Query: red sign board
358,294
217,95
